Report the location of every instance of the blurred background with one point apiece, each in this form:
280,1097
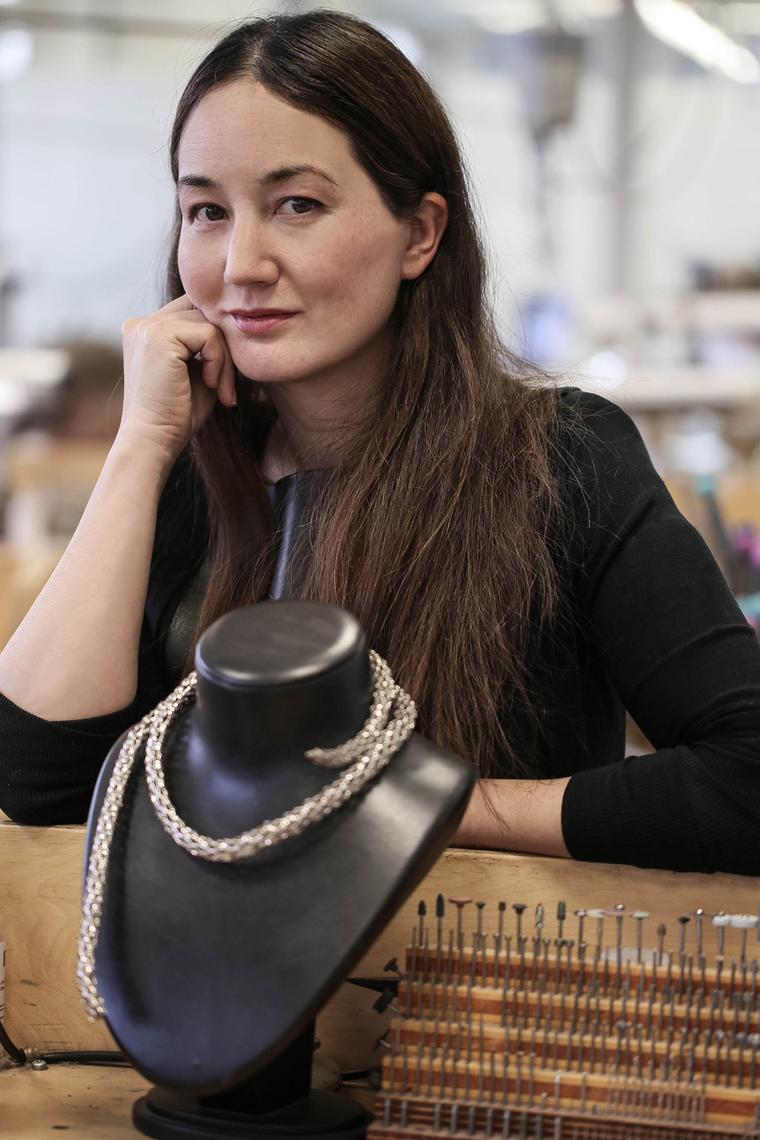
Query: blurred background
614,147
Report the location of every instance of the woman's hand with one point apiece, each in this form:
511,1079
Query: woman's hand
176,365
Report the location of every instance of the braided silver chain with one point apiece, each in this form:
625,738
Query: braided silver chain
390,723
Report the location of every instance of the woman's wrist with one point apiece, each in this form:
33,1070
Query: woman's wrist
515,815
144,453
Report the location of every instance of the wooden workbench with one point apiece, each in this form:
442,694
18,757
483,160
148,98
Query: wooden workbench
40,887
85,1101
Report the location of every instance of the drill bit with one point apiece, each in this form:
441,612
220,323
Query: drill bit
499,937
744,923
619,916
519,909
639,916
521,950
496,959
421,912
561,913
581,916
699,915
599,916
721,921
518,1078
683,922
478,935
545,963
460,904
440,910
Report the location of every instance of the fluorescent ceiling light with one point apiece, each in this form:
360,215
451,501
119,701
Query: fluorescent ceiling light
503,18
510,17
741,18
596,9
16,52
678,25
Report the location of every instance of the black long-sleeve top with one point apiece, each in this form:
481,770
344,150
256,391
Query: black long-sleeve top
649,626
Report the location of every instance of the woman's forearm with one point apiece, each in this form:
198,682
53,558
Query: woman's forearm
515,815
75,653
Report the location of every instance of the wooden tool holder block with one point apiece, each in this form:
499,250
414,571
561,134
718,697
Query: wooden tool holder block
525,1028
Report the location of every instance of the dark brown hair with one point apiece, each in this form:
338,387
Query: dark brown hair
436,528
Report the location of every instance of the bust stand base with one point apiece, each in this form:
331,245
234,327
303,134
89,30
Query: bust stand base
275,1104
328,1116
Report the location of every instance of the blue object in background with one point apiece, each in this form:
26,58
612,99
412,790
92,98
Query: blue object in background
547,324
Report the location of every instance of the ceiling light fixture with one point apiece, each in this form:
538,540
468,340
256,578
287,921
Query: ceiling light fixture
681,27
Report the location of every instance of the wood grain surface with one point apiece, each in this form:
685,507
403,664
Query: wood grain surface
39,915
78,1100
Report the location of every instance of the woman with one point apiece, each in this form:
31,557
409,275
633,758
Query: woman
508,547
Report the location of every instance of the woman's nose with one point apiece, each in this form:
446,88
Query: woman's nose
248,259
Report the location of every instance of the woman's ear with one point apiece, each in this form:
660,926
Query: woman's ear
426,229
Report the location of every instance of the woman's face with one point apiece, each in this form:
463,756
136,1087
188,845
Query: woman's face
278,215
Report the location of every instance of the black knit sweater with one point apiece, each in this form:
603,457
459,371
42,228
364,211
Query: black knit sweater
650,625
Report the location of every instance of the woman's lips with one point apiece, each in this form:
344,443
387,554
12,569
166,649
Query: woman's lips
255,326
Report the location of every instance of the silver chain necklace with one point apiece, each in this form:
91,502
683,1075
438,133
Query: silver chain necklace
390,723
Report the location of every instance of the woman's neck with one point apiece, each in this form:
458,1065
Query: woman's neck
304,440
316,420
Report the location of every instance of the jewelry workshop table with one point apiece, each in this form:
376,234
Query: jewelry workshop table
40,888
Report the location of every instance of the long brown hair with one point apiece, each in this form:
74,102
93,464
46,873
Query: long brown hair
436,530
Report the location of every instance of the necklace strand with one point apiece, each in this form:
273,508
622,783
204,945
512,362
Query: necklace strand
390,723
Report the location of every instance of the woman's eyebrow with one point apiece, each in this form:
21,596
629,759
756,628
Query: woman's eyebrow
271,178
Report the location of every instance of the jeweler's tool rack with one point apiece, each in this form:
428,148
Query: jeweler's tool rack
597,1027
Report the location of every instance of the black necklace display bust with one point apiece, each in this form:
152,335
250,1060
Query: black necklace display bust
212,973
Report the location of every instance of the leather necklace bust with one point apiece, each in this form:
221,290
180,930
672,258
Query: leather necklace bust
212,973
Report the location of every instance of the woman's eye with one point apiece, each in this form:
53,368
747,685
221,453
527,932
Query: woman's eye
196,210
290,207
300,206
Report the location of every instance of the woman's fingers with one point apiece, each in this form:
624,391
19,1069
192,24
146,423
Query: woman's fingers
217,369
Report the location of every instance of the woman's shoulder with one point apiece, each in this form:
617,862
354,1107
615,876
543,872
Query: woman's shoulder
603,467
589,415
598,438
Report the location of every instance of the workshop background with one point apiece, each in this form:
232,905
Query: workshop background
614,147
